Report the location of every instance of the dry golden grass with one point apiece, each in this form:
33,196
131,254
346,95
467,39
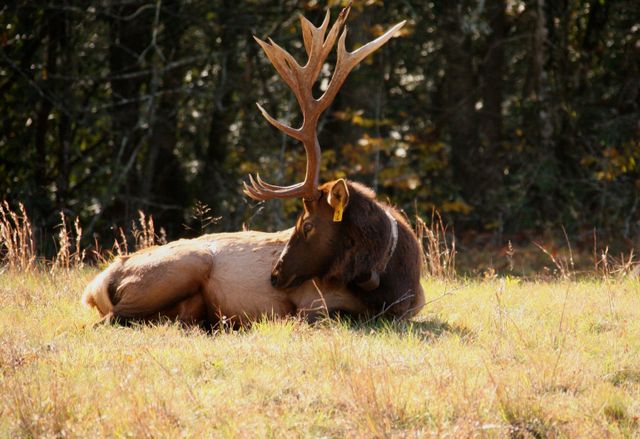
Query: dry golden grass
17,247
439,247
143,233
494,358
498,357
70,254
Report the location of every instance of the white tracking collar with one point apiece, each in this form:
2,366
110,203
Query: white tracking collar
394,239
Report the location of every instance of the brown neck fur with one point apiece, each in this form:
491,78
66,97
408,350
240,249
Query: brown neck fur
364,250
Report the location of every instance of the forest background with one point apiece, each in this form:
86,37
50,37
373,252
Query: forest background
513,119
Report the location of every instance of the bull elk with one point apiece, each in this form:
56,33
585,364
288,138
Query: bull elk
344,236
347,252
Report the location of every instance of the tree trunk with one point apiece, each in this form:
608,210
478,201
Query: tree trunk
460,101
64,123
46,104
128,39
163,184
545,127
222,112
492,90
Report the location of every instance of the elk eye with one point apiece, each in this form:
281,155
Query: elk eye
306,229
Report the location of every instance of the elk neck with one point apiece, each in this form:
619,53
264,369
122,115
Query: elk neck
373,281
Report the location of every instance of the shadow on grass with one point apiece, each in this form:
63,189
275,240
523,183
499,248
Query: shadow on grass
427,329
624,377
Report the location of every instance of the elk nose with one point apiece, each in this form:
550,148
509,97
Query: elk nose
275,273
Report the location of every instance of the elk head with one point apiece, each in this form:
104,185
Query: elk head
317,235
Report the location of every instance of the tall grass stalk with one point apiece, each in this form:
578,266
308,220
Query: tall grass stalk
439,252
17,246
70,253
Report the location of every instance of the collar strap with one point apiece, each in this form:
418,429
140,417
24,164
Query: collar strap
391,248
373,281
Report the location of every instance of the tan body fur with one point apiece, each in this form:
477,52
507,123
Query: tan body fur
203,279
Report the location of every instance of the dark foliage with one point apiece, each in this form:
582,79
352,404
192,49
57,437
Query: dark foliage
507,116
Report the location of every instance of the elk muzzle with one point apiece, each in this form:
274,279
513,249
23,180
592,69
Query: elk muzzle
282,280
275,273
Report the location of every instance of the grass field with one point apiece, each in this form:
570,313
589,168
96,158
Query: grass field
493,358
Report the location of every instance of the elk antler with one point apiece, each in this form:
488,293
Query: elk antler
300,80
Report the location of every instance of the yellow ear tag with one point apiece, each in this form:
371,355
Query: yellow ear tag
337,213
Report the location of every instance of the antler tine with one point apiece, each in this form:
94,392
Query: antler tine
364,51
271,186
309,30
259,190
335,29
283,62
316,45
293,132
346,61
301,80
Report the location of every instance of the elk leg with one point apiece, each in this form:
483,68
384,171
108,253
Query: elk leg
314,304
189,311
154,281
104,320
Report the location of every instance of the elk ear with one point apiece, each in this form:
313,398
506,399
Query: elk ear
338,198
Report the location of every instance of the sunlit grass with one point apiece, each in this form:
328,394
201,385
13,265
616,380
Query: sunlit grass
495,358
